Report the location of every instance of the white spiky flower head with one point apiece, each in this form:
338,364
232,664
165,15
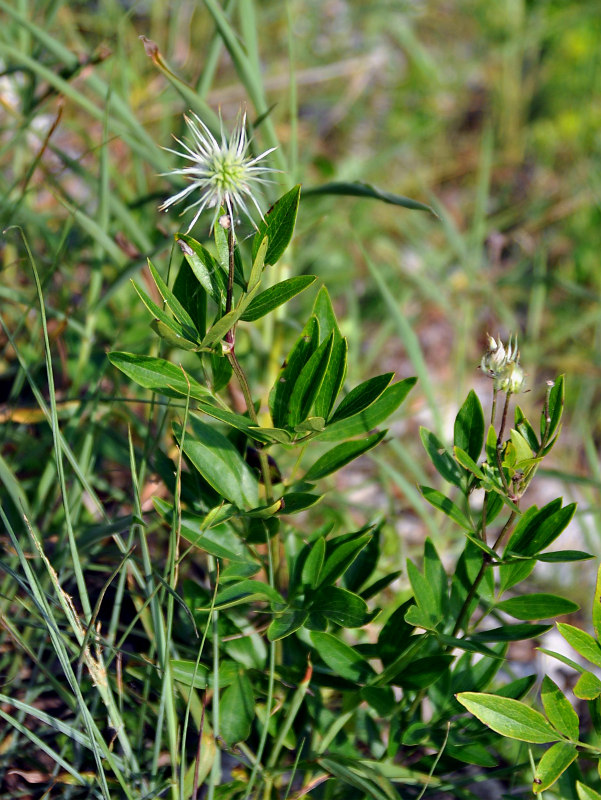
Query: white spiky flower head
222,173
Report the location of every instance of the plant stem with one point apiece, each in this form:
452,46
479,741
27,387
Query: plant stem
500,445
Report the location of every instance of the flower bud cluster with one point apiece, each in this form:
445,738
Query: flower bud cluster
502,364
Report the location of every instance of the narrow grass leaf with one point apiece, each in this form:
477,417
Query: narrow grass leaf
366,190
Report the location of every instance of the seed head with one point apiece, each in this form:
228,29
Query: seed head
502,364
223,173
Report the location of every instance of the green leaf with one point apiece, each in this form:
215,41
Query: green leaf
582,642
308,383
423,672
509,717
158,374
192,296
561,556
208,272
586,793
597,605
220,464
340,554
342,659
426,597
559,710
523,451
537,606
237,710
312,566
176,308
367,190
173,338
324,311
445,464
333,379
342,454
526,429
468,463
250,590
287,622
244,424
555,761
361,397
556,403
219,541
364,422
225,323
304,347
278,225
200,677
469,426
510,633
446,505
299,501
342,607
275,296
168,327
258,264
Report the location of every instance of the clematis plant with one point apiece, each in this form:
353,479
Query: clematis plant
268,607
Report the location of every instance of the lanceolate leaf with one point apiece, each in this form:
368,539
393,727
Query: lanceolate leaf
509,717
342,454
275,296
444,463
388,402
586,793
342,659
555,761
537,606
469,426
342,607
559,710
582,642
324,311
177,309
340,554
278,225
220,464
204,266
333,379
304,347
159,375
446,505
361,397
237,710
309,382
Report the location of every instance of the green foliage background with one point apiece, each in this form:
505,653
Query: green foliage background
490,113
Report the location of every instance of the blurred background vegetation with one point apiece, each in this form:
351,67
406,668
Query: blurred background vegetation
488,112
